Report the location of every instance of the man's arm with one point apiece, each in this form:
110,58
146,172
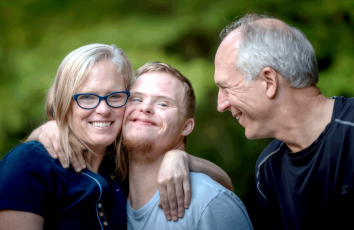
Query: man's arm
215,172
19,220
35,134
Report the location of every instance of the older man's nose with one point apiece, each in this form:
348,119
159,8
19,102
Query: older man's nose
223,102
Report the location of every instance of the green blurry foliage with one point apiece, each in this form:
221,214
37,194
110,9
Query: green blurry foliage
36,35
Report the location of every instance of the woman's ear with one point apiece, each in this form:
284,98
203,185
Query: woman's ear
188,127
270,79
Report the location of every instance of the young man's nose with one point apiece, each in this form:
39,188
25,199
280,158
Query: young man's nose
147,107
223,102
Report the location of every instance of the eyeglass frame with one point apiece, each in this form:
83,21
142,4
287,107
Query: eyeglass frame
75,96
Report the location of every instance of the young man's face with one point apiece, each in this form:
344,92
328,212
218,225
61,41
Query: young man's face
155,111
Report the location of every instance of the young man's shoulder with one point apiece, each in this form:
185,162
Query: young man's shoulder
205,189
215,206
201,180
203,186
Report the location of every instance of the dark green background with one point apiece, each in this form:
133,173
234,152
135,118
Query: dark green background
36,35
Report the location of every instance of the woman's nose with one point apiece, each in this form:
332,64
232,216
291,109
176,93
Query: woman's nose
103,108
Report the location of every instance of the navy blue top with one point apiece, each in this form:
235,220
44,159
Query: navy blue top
32,181
313,188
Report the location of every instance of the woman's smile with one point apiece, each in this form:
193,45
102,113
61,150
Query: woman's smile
98,124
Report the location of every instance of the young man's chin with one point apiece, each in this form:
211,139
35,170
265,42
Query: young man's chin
138,142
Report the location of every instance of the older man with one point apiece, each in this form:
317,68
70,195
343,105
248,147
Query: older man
159,115
266,72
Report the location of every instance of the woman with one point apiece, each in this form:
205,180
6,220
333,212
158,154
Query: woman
36,192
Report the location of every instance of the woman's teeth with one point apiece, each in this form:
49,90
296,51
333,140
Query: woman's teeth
101,124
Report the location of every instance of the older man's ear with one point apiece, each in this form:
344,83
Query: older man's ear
188,127
269,79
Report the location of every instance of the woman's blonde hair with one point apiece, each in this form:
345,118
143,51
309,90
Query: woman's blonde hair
72,72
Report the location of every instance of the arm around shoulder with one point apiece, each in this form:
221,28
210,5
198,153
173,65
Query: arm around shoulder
197,164
35,134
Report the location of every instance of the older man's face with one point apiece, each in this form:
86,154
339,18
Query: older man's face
246,102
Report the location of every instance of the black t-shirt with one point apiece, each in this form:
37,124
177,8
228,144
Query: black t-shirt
314,188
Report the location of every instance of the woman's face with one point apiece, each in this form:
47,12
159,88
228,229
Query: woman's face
100,126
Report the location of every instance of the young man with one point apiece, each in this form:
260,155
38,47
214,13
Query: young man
159,115
266,72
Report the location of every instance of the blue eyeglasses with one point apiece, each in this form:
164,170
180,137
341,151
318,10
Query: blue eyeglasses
91,101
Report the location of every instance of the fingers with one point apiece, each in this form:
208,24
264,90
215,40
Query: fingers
75,163
54,149
166,207
172,201
47,143
187,192
63,160
81,160
49,137
164,201
60,154
78,161
179,198
51,151
58,151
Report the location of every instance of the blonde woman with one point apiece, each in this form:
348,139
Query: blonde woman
87,102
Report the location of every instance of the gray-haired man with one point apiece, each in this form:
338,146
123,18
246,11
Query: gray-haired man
266,72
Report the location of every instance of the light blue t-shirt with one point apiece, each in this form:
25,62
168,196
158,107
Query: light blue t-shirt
212,207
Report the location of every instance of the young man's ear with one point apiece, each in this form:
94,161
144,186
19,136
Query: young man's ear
270,80
188,127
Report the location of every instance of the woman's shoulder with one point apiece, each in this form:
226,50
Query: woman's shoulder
29,179
31,147
31,153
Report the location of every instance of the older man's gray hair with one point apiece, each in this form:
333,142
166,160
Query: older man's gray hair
282,48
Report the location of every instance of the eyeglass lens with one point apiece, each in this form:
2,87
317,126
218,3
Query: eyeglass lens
90,101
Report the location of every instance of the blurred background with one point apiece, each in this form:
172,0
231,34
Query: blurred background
36,35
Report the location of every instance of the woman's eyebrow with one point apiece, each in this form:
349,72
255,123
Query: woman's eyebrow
94,91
